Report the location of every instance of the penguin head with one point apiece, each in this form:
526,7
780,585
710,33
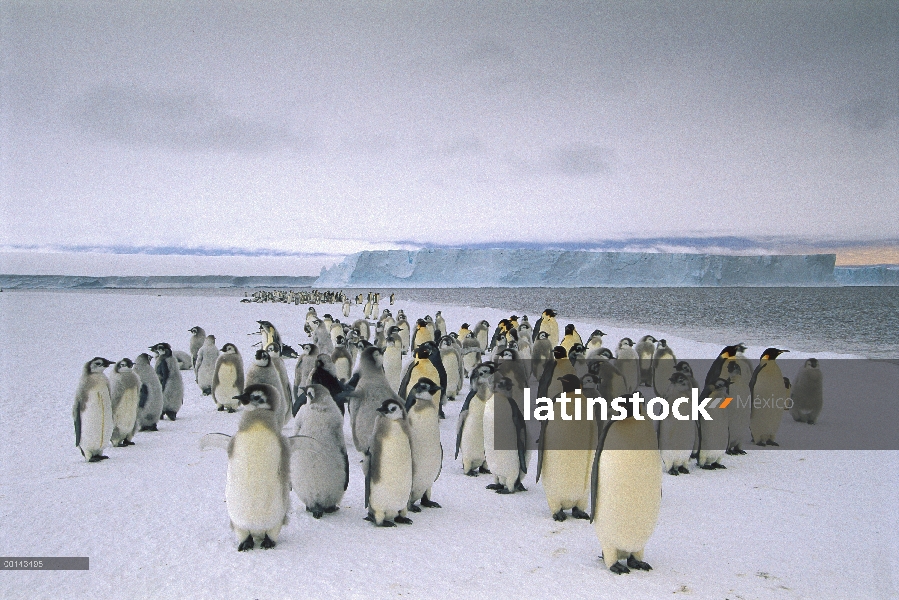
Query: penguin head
648,338
484,324
569,329
464,327
684,367
549,313
663,343
482,374
422,352
162,349
772,353
507,354
504,384
421,324
512,345
425,388
603,354
274,348
97,364
590,381
811,363
598,333
721,386
229,348
625,343
454,335
428,319
124,365
380,326
309,349
728,352
680,381
741,348
524,319
392,409
288,352
570,382
261,358
543,335
559,352
143,358
318,394
340,340
372,355
733,369
195,329
576,350
447,341
258,396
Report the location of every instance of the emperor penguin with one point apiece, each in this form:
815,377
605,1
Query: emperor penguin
646,348
380,335
471,353
451,356
541,354
571,338
739,411
346,307
626,490
595,340
149,404
424,437
311,315
92,410
808,393
717,371
258,485
170,378
677,436
262,371
321,337
421,334
482,334
274,354
663,361
440,324
197,339
125,394
502,414
713,434
205,364
388,466
508,364
366,309
524,329
565,456
227,381
363,329
393,360
404,333
269,334
769,392
370,392
424,365
319,466
463,331
628,362
550,380
745,365
470,426
547,322
343,360
304,367
337,334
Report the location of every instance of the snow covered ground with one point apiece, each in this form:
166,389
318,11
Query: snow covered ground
153,520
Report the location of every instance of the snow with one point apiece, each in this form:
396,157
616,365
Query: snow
153,520
548,268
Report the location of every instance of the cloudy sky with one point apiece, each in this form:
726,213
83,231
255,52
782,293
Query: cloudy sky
322,127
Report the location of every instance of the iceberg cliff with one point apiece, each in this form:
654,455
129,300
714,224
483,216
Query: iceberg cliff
551,268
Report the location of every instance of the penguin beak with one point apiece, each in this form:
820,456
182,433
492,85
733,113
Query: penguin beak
244,399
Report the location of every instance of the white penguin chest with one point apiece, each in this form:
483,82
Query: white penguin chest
96,420
473,434
254,487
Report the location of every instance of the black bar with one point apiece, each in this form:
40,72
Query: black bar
44,563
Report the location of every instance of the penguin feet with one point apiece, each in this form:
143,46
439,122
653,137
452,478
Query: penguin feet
485,470
428,503
170,414
707,467
207,392
97,458
773,443
247,544
694,455
332,509
519,487
317,514
122,444
619,569
152,427
129,443
683,469
579,514
267,543
761,443
718,465
414,508
441,414
496,486
638,564
221,408
503,490
402,520
472,473
231,410
560,516
673,471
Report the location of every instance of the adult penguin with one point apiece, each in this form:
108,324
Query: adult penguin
550,386
571,338
769,392
547,322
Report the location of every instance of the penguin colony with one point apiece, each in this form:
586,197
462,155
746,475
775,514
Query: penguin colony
612,476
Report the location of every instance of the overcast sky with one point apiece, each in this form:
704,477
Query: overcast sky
286,126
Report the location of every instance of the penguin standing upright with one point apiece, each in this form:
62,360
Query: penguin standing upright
663,361
547,322
808,393
481,333
471,353
388,466
304,367
541,354
565,458
362,327
227,381
628,362
646,348
425,364
205,365
626,490
370,392
197,339
470,426
393,360
550,380
170,378
149,404
739,411
451,356
343,360
321,337
404,333
571,338
594,342
346,307
713,434
421,334
319,466
440,324
125,395
258,486
92,410
275,352
769,392
424,436
262,371
509,466
676,436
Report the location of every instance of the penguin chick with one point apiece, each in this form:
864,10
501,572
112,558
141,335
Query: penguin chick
170,377
92,410
424,432
205,364
149,404
388,467
125,394
228,379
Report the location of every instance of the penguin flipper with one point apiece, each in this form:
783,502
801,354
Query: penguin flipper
541,448
536,330
546,378
144,395
521,434
460,427
346,469
215,440
438,364
594,471
755,376
77,416
299,402
407,375
162,370
366,467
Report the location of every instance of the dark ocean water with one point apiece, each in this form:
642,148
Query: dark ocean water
853,320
